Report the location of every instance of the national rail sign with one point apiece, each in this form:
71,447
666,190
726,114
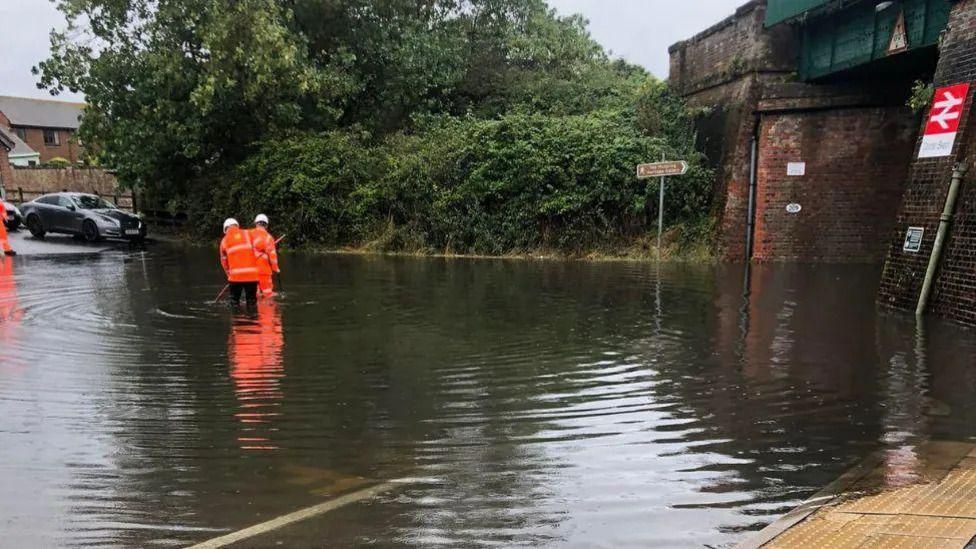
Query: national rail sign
661,169
943,121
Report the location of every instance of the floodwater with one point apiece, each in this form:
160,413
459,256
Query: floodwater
523,403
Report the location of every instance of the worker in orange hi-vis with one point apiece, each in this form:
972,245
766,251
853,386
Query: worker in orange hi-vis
240,262
4,241
267,251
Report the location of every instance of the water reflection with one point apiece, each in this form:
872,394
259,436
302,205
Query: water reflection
254,349
10,318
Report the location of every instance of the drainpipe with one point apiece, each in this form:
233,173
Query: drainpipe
945,221
751,215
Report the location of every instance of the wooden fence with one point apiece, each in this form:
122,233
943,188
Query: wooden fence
127,200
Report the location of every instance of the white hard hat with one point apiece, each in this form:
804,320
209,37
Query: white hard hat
231,222
261,218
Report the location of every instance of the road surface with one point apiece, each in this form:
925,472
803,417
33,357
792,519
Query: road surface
24,244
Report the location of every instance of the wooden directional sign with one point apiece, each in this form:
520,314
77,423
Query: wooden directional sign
660,169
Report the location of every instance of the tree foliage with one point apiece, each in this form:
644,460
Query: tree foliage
476,125
471,185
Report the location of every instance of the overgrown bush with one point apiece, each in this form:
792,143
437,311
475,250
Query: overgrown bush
57,162
466,185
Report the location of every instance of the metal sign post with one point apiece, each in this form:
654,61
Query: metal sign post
660,217
663,170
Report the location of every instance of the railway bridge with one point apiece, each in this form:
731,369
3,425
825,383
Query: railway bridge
818,115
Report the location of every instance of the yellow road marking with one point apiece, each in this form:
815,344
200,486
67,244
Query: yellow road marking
301,514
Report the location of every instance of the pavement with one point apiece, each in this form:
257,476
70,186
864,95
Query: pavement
53,244
911,497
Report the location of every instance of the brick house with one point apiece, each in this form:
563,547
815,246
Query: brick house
45,126
6,145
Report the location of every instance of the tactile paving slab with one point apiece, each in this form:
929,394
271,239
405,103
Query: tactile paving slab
877,510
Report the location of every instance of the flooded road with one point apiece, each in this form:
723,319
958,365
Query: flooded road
524,403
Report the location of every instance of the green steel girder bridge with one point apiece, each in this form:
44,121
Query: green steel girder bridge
875,36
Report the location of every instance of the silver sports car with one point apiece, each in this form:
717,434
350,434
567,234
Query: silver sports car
83,215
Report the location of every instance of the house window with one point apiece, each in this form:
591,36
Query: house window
21,133
51,138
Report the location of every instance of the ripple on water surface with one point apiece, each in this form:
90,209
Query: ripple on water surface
532,403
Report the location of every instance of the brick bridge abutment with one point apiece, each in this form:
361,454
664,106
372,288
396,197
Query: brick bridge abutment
836,177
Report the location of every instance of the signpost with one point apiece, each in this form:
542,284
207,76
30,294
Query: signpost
661,169
943,121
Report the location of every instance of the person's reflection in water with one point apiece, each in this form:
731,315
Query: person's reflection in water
255,346
10,316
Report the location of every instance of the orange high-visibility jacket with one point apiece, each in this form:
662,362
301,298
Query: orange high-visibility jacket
237,256
4,243
266,250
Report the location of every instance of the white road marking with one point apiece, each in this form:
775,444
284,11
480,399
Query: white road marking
301,514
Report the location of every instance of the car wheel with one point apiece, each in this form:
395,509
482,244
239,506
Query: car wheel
35,226
90,231
13,225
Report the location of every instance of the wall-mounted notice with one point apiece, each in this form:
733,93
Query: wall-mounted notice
913,239
794,169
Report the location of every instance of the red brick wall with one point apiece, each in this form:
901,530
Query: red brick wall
856,164
5,175
68,147
736,46
733,179
6,172
924,198
723,71
29,183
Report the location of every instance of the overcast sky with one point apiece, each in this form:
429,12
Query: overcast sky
640,31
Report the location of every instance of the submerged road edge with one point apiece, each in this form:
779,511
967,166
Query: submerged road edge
300,515
815,502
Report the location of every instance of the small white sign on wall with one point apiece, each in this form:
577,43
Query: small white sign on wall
913,239
794,169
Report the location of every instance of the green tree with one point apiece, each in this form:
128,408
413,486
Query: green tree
176,87
475,125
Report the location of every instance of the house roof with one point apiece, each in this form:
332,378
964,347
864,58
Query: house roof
18,147
41,113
